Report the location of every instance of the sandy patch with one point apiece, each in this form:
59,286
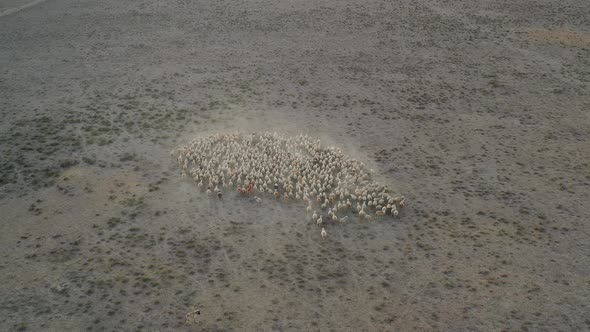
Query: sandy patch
563,36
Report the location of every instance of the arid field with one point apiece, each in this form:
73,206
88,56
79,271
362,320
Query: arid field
478,112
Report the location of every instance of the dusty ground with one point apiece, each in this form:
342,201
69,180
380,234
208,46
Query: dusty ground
479,113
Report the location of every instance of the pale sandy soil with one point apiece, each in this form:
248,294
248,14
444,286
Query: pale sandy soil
478,113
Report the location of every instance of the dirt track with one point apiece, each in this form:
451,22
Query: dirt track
478,113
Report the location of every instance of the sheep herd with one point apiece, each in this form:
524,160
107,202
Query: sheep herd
332,185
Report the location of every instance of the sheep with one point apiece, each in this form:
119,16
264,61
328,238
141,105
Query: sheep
362,213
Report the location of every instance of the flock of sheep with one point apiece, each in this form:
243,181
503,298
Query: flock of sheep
298,168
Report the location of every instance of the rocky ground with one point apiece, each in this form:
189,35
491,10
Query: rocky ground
478,113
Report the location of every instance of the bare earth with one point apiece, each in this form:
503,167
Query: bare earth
478,113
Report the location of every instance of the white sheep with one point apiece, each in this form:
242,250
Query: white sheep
319,221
